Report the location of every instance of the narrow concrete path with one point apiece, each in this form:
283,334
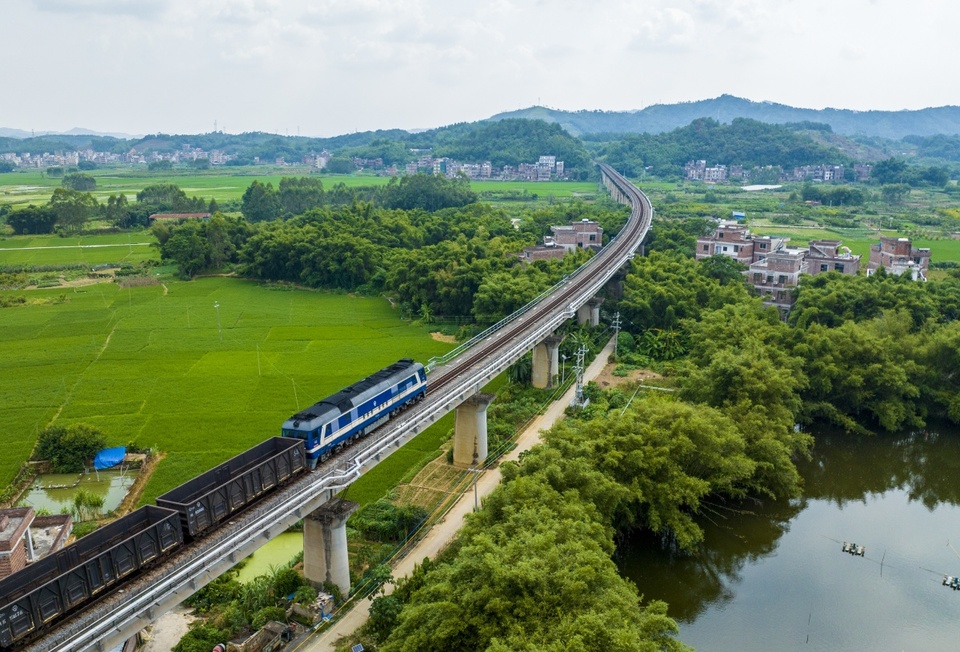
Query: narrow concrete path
442,533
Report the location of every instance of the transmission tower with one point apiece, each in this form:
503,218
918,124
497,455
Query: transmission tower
616,333
579,400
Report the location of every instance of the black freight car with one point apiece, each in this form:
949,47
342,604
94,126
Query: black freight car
209,499
65,580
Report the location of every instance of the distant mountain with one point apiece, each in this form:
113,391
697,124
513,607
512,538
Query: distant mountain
6,132
660,118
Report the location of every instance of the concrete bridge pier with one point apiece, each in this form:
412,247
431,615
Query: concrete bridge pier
470,431
546,362
589,313
325,556
615,284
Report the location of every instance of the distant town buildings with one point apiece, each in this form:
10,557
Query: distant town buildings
700,171
546,168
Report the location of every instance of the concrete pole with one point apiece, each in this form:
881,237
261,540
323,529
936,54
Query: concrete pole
325,557
546,362
470,431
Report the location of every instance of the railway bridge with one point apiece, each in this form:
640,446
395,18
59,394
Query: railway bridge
455,381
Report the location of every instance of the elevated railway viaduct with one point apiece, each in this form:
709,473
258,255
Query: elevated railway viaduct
453,380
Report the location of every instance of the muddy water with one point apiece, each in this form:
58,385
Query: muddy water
277,553
54,492
772,576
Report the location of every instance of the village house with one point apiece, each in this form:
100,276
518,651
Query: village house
585,234
735,241
831,256
26,537
774,268
899,256
774,275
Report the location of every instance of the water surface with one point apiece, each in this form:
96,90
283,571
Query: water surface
772,576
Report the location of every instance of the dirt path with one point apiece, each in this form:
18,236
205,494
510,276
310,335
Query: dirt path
167,630
444,532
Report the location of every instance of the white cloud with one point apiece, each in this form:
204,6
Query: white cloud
332,66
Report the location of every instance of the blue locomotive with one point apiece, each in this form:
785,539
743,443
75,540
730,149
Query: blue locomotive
339,419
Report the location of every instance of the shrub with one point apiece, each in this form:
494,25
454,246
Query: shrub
267,614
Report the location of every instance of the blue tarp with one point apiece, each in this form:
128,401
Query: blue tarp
109,457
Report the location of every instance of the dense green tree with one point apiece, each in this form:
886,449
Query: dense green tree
515,580
939,353
665,287
742,142
69,448
300,194
830,299
117,210
72,208
340,165
79,181
168,197
428,192
32,220
739,364
862,371
260,202
894,193
201,638
724,269
202,245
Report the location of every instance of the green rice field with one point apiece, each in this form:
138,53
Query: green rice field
133,247
33,187
200,370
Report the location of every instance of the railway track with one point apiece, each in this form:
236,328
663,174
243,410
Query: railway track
120,615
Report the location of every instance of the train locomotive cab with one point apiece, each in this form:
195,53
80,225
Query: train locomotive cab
357,410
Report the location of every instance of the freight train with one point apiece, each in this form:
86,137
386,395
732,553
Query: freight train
34,599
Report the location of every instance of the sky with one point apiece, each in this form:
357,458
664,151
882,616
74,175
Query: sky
330,67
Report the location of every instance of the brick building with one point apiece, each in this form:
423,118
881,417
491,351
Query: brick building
735,241
26,537
775,274
579,235
831,256
899,256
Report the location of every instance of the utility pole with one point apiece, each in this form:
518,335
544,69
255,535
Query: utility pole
616,333
579,399
216,306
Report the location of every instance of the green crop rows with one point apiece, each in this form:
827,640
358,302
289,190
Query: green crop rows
32,187
147,365
87,250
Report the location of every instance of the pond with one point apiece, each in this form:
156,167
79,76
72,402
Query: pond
772,576
277,553
54,492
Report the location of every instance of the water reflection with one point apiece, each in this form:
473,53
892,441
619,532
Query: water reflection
736,536
924,463
772,575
